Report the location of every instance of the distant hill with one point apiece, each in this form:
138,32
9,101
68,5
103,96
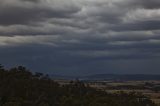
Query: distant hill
123,77
63,77
112,77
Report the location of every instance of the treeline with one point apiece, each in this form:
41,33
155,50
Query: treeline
20,87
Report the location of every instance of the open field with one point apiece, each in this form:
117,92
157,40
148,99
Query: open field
150,89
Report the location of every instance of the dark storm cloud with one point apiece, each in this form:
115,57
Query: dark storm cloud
138,26
31,11
35,1
151,4
77,60
89,35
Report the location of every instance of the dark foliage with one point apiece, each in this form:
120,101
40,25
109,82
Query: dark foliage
20,87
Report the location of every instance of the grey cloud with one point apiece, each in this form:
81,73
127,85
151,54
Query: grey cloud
29,13
151,4
138,26
35,1
87,35
89,17
60,61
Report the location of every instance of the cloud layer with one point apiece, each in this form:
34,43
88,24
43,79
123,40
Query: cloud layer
81,36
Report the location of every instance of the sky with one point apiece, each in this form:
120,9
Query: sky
81,37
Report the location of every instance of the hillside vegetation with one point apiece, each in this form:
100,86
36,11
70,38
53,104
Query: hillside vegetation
20,87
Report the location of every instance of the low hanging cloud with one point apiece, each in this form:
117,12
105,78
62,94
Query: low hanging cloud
81,34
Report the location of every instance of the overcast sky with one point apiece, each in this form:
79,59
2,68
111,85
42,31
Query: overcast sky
79,37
